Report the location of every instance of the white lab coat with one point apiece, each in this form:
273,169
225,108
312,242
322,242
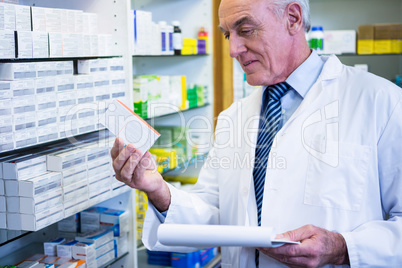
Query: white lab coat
336,164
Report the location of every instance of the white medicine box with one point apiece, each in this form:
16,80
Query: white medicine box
340,42
27,166
7,17
24,44
7,44
40,45
22,18
117,219
16,71
53,20
38,19
55,45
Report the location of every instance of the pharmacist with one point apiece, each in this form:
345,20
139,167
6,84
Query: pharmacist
333,179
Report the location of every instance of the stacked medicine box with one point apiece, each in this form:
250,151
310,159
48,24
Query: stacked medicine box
33,195
71,163
44,101
100,218
37,32
40,188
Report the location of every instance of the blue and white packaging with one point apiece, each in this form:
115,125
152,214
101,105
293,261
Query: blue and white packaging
120,245
98,237
117,219
90,219
65,249
70,224
50,247
102,260
103,249
86,252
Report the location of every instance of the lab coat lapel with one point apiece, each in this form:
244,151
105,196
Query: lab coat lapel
251,111
331,70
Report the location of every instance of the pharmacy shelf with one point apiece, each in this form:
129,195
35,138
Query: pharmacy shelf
58,59
79,139
179,111
112,262
3,243
34,248
22,253
167,56
112,195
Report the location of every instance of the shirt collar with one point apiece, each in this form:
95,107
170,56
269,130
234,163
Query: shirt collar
304,77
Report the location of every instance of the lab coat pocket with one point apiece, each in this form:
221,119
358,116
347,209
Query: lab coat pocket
337,178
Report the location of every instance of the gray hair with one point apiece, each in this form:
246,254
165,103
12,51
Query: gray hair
280,5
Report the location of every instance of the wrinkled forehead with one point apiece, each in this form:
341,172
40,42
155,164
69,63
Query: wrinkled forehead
228,8
232,10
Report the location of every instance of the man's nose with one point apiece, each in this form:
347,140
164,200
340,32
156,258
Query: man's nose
236,46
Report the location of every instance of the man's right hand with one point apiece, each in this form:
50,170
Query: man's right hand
140,172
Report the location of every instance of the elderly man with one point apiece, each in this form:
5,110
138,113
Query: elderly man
323,167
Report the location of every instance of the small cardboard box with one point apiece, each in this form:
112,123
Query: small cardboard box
40,45
340,42
90,219
23,39
117,219
85,251
7,17
53,20
99,237
24,167
55,45
38,19
70,224
18,70
50,248
7,44
66,249
41,202
22,18
34,222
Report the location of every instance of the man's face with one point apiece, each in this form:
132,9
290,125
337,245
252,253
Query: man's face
257,39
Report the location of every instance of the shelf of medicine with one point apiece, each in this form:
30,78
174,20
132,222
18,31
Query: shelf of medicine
113,194
167,56
35,248
110,263
102,133
25,233
174,113
58,59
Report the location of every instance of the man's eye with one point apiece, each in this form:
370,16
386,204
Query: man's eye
245,32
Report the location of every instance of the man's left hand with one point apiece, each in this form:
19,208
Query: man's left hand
317,248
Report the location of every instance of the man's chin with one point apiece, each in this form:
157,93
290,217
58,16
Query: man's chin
253,82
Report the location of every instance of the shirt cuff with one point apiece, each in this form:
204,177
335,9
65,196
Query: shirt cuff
161,215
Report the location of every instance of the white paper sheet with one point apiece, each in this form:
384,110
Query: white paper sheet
217,235
124,123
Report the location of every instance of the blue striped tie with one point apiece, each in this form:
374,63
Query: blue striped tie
270,117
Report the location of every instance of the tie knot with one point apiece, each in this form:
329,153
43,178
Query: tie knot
277,91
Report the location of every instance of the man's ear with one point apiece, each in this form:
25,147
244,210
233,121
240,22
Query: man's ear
294,15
